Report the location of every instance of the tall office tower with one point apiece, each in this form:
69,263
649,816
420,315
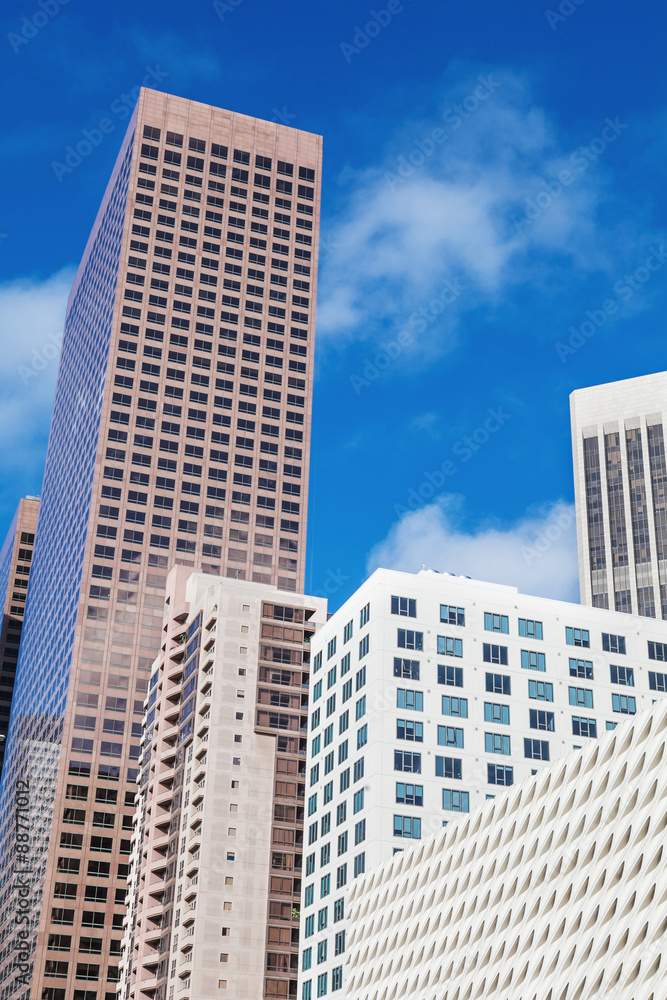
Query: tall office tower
620,490
559,891
431,693
180,433
216,876
15,561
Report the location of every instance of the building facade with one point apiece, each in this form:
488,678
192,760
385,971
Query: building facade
216,876
620,489
432,693
15,563
184,392
557,890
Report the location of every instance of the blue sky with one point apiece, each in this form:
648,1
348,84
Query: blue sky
493,181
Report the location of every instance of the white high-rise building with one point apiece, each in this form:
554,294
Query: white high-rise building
620,489
557,891
431,693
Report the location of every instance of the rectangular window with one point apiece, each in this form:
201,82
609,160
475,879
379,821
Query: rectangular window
364,615
331,648
540,719
322,985
580,697
530,629
404,606
497,743
360,709
317,691
409,795
312,804
657,651
407,826
584,727
496,713
413,700
306,959
408,669
407,639
331,678
581,668
657,682
536,749
498,684
363,647
448,736
623,703
407,729
450,676
494,654
496,623
342,843
455,801
314,774
336,977
309,927
531,660
310,865
451,615
358,801
448,767
347,632
345,779
329,762
362,736
457,707
541,690
308,895
358,769
359,832
347,690
577,637
327,793
331,704
341,876
341,813
325,886
447,646
339,910
500,774
360,864
343,722
613,643
405,760
622,675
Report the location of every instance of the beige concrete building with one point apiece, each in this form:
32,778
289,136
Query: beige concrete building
216,873
180,434
620,489
15,563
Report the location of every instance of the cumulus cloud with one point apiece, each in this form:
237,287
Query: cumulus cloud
459,204
537,553
31,319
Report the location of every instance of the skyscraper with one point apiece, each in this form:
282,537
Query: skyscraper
15,562
180,433
620,490
430,694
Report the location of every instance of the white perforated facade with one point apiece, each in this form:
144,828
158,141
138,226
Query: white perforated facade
556,891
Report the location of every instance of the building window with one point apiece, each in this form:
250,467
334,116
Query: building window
309,926
455,801
358,769
325,886
345,779
451,615
341,878
500,774
306,991
580,697
584,727
447,646
358,801
536,749
498,684
362,736
309,895
496,623
530,629
306,959
448,736
336,978
322,918
541,690
407,729
413,700
407,826
342,843
409,795
541,720
404,760
623,703
657,682
577,637
494,654
622,675
613,643
404,606
457,707
610,725
339,943
408,669
331,648
531,660
581,668
347,632
496,713
496,743
407,639
360,864
363,647
364,615
339,910
359,832
448,767
360,709
322,985
450,676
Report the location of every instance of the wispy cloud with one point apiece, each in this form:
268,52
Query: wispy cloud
485,194
537,553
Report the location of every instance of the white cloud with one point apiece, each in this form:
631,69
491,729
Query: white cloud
537,554
31,319
459,213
